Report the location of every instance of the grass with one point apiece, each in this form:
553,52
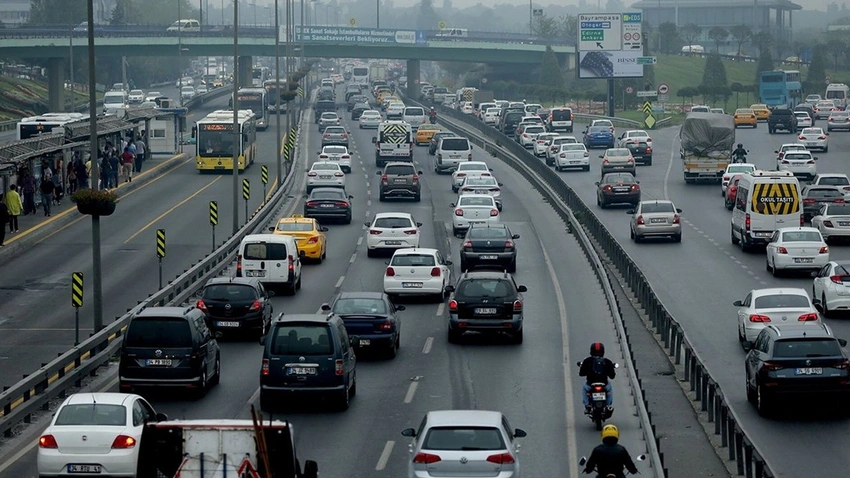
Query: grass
21,98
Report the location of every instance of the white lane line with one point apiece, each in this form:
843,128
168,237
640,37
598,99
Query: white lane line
360,239
339,282
385,456
369,202
254,396
367,185
411,391
667,173
353,258
368,191
429,342
441,308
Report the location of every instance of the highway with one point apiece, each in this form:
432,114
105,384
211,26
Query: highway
535,384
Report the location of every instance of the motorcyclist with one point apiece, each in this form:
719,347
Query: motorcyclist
610,458
432,114
597,373
740,154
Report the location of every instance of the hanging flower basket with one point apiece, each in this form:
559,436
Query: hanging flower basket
95,203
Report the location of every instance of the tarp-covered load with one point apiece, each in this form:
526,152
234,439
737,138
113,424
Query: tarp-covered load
708,134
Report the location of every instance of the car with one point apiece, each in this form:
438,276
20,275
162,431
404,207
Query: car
354,99
482,185
473,209
451,152
719,111
202,89
371,317
335,135
555,146
521,127
308,355
487,302
435,140
328,203
152,95
634,136
618,159
337,154
236,305
812,99
560,119
441,445
731,192
309,235
169,347
467,169
325,174
572,155
491,116
807,108
839,180
745,117
801,163
467,108
838,120
529,135
796,248
598,136
816,196
832,286
794,361
417,271
358,110
786,305
814,138
489,245
136,96
391,231
655,218
641,151
731,171
395,110
803,120
617,188
700,109
542,143
187,92
414,115
370,119
833,221
603,122
425,132
532,119
789,147
96,433
782,118
400,180
823,109
328,119
762,111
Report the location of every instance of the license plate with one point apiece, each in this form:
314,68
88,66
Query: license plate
657,220
365,342
803,260
225,323
481,191
411,285
621,190
485,310
255,273
599,396
326,205
159,362
809,371
488,258
454,156
301,371
575,162
325,177
843,223
400,181
477,222
84,468
392,243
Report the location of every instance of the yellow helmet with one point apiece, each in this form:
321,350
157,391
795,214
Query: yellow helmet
610,431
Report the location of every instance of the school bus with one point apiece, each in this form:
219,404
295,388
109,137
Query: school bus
214,141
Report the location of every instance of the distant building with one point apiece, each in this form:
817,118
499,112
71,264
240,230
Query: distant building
14,12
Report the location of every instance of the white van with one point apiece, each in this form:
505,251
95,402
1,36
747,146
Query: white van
114,100
838,92
274,259
765,202
451,150
414,116
693,49
185,26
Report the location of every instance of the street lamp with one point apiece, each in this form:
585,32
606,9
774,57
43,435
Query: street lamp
377,13
97,293
237,136
277,89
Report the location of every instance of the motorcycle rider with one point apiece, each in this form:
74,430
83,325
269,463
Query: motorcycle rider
597,369
740,154
433,115
610,458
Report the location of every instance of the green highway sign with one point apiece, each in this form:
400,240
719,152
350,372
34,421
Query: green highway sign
592,35
647,60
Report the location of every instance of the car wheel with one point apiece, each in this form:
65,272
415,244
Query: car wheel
265,401
825,306
344,399
773,269
454,336
371,252
734,239
417,198
586,168
762,401
767,265
393,351
353,390
826,150
298,283
744,246
382,198
201,391
677,238
217,377
751,394
463,265
516,338
631,234
455,231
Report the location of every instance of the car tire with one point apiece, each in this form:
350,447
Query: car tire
631,234
381,197
826,150
201,391
463,265
266,401
677,238
454,336
297,284
347,220
371,252
516,338
417,197
586,169
217,377
763,403
767,265
455,231
751,394
773,270
393,351
353,391
734,239
825,307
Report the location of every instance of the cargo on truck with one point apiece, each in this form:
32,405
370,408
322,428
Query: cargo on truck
377,72
706,142
481,96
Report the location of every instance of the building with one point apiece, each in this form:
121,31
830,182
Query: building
14,12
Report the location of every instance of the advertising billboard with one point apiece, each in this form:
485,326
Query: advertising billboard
609,64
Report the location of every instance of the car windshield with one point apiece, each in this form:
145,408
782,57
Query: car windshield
782,301
801,236
413,260
265,251
161,332
656,207
618,178
485,288
454,144
334,130
325,167
475,201
355,306
230,292
463,439
295,226
334,194
488,233
804,348
301,340
335,149
737,168
95,414
392,222
472,167
834,180
598,129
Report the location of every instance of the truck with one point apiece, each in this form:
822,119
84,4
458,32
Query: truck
706,142
377,72
481,96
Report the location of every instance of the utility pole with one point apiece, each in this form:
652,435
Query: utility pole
71,67
97,293
277,89
377,14
237,135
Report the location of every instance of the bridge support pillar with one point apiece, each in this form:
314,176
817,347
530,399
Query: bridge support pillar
413,79
56,84
246,65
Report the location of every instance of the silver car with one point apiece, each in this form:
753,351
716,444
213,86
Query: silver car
370,119
838,120
814,138
555,147
464,443
335,135
328,119
655,219
325,174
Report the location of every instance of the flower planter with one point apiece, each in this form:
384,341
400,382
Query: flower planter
97,208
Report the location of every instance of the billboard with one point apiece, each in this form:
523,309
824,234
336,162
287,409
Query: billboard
609,45
609,64
360,35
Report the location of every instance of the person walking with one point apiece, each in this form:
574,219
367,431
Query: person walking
105,172
28,187
15,207
47,187
140,153
127,161
83,168
72,177
114,169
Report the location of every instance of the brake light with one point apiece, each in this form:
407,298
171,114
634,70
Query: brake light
759,318
201,305
323,156
781,250
327,135
823,250
313,240
501,458
338,366
563,155
676,219
312,174
771,367
265,369
517,305
346,156
411,232
494,212
426,458
836,279
786,162
415,178
810,317
821,137
649,150
435,272
387,325
239,266
339,174
747,222
460,175
808,201
375,232
843,365
605,161
123,442
47,441
524,135
801,137
344,135
838,200
378,145
312,203
509,244
606,188
458,212
631,159
341,204
390,272
452,305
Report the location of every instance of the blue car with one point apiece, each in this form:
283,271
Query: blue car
371,317
599,137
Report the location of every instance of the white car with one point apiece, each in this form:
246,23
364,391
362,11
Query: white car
482,185
789,147
832,287
803,120
555,146
187,92
833,221
370,119
719,111
466,169
136,96
635,136
731,171
337,154
395,110
95,434
467,108
542,143
491,116
796,248
800,163
473,209
391,230
325,174
419,271
572,156
202,90
839,180
152,95
534,119
814,138
529,135
773,306
603,122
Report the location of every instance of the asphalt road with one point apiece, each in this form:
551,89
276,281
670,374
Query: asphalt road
534,384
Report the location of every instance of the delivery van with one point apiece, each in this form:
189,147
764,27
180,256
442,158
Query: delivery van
273,259
766,201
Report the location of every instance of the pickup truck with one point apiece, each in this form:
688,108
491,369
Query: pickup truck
782,118
323,106
641,151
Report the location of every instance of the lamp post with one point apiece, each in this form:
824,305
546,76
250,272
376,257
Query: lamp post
377,13
236,133
179,56
97,293
71,65
530,18
277,89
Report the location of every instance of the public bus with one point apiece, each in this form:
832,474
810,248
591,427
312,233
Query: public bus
780,88
214,141
272,88
256,100
45,124
258,75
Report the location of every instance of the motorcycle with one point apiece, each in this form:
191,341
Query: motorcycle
598,399
583,461
433,119
740,158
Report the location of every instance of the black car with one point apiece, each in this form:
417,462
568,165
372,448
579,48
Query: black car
782,118
236,304
808,108
796,360
617,188
816,196
489,245
354,99
169,347
308,355
358,110
328,203
323,106
641,151
352,91
371,317
485,302
435,141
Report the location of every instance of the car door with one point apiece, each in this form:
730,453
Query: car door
348,355
744,311
820,281
446,270
771,247
753,359
207,346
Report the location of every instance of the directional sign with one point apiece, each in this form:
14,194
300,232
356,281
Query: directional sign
647,60
647,107
647,94
600,32
264,174
649,122
663,89
77,289
633,32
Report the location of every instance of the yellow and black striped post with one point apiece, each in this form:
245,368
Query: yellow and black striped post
160,251
213,220
290,143
77,302
264,177
301,92
246,194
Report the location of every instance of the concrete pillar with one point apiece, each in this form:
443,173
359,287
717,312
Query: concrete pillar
413,79
56,85
246,65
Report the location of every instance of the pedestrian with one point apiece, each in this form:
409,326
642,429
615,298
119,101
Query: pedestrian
72,177
28,187
127,161
13,203
140,154
114,169
83,174
4,219
105,173
47,187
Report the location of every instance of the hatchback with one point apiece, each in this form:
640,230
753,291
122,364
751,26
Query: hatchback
336,135
236,305
800,163
803,119
529,135
323,174
542,143
337,154
655,219
371,317
598,136
328,119
391,231
417,271
832,286
328,203
796,248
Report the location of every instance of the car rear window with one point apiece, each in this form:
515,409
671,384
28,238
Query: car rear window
782,301
354,306
479,181
534,129
488,233
791,348
802,155
335,149
97,414
392,222
561,115
617,152
325,167
413,260
656,207
400,170
838,210
454,144
564,140
598,129
573,147
739,169
294,227
475,201
618,178
159,332
265,251
823,193
414,112
485,288
230,292
329,116
334,130
801,236
301,340
473,167
463,438
327,194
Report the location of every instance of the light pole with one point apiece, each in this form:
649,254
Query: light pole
97,293
277,89
377,13
237,137
179,57
530,18
71,68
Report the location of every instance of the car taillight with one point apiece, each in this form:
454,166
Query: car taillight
501,458
843,365
344,135
563,155
460,175
339,367
339,174
837,279
802,220
265,369
386,325
201,305
631,159
786,162
808,201
312,174
411,232
375,232
821,137
312,203
801,137
759,318
415,178
458,212
239,266
494,212
435,272
676,219
771,366
469,157
509,244
649,150
323,156
313,240
635,187
390,272
327,135
524,135
517,305
605,161
823,250
781,250
346,156
426,458
640,220
452,305
378,145
606,188
47,441
747,222
838,200
810,317
123,442
541,142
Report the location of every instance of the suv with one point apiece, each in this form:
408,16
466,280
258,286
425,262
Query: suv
400,179
335,135
485,302
308,354
328,119
561,119
489,245
169,347
795,359
782,118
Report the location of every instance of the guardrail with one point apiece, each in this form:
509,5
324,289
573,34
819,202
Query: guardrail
622,121
741,449
52,380
8,125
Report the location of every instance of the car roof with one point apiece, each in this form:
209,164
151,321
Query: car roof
415,250
109,398
831,175
439,418
175,312
820,187
393,214
315,318
657,201
798,228
361,295
779,290
472,162
252,281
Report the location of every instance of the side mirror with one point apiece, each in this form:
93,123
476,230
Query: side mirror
826,134
777,152
678,210
816,302
596,183
815,158
515,236
374,139
400,308
522,288
453,205
302,254
318,152
842,342
448,263
311,469
354,340
490,169
408,432
747,345
630,211
418,224
367,224
640,458
326,307
601,156
520,433
450,288
350,197
738,303
500,184
378,173
324,229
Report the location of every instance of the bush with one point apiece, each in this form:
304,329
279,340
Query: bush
91,196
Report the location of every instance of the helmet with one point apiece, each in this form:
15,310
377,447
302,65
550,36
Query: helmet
610,431
597,349
740,145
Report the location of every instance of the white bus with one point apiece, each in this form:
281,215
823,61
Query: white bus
45,124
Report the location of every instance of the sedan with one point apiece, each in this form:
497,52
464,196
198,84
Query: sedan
617,188
425,132
839,180
308,234
598,137
838,120
635,135
555,146
814,138
236,305
745,117
832,287
803,120
796,248
473,209
96,434
542,143
731,171
572,156
789,147
762,111
370,119
655,219
800,163
371,317
328,119
618,159
324,174
491,116
823,109
483,185
328,203
335,135
358,110
833,221
467,169
390,231
529,135
337,154
816,196
489,245
603,122
774,306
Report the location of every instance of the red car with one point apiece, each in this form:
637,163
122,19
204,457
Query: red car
732,191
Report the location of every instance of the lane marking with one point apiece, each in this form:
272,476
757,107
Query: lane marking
353,258
254,396
171,209
385,456
369,203
441,308
360,239
669,169
411,391
429,342
339,282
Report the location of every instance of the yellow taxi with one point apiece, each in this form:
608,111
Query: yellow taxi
762,112
218,83
746,117
425,132
307,232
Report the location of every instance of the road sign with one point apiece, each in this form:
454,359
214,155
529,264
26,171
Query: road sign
663,98
246,189
633,32
160,243
264,174
352,21
600,32
647,94
663,89
77,289
484,80
441,25
647,107
537,12
650,121
213,213
630,90
647,60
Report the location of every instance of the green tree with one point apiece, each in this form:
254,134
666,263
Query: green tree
569,26
670,38
765,64
550,70
736,88
61,12
817,68
718,35
546,26
714,76
741,34
690,33
427,16
648,32
763,40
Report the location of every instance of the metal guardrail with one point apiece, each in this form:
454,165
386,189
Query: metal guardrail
52,380
622,121
741,449
8,125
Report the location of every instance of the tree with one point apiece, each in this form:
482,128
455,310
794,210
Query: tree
691,33
669,34
741,34
427,17
763,41
569,26
718,35
61,12
765,64
550,70
546,26
817,68
714,76
836,49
